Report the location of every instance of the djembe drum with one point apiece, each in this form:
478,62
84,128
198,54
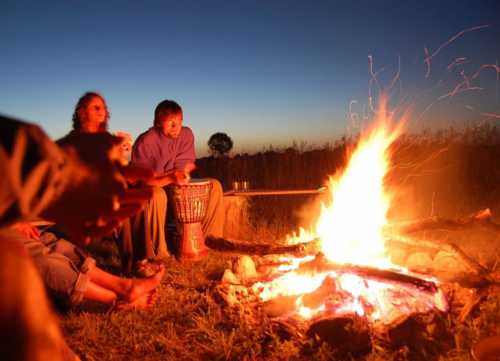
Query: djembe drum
190,203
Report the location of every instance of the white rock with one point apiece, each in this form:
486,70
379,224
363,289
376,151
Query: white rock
230,278
244,267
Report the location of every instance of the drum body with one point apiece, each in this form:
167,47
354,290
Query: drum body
190,204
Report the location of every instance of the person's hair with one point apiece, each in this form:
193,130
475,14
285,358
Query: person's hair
166,108
79,114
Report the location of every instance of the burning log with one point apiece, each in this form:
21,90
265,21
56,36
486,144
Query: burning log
320,264
225,245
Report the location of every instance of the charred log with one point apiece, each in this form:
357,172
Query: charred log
225,245
320,264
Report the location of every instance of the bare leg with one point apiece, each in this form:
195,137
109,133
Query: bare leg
125,288
94,292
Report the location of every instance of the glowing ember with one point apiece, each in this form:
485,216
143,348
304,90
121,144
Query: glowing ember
350,230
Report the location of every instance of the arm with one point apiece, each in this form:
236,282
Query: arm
79,187
185,157
184,160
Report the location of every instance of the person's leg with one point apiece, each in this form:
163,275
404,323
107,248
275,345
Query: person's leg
126,246
125,288
29,328
94,292
213,223
148,228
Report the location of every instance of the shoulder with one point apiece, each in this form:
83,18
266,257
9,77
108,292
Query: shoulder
186,133
148,136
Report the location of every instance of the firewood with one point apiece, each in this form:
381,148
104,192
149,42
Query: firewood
443,246
320,264
225,245
481,219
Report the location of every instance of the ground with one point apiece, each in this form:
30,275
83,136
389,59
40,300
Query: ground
189,322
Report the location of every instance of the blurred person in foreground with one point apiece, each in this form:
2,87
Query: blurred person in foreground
72,277
167,149
146,230
83,189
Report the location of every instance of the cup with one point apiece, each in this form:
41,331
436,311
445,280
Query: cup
245,186
236,186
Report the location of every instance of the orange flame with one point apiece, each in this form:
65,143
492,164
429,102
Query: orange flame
351,231
351,228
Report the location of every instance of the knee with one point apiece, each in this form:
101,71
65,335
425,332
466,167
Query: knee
216,188
159,196
159,193
58,274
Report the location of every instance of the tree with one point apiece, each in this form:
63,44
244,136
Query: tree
220,144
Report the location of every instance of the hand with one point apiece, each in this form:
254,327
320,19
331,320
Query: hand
162,180
27,230
96,199
182,177
125,146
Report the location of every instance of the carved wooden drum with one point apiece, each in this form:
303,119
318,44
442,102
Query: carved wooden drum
190,204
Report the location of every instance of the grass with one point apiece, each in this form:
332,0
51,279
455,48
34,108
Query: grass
448,174
190,322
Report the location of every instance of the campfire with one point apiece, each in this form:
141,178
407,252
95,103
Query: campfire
352,273
342,270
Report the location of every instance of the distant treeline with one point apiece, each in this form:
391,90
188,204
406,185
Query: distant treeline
447,172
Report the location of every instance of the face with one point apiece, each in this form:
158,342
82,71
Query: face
95,115
171,125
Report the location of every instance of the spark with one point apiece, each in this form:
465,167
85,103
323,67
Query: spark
491,115
465,85
428,58
457,62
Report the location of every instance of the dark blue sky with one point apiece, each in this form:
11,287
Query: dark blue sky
265,72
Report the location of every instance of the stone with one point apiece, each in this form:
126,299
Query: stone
230,278
244,268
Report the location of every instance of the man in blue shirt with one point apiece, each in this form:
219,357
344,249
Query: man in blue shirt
167,148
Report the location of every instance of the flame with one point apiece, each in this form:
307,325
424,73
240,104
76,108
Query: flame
350,229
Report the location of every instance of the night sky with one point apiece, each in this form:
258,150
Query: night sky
265,72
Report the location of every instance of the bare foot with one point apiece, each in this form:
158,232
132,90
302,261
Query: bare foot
143,302
141,286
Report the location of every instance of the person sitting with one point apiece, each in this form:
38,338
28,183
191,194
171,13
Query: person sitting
80,188
72,277
145,232
167,148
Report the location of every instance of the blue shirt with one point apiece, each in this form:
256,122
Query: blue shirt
162,154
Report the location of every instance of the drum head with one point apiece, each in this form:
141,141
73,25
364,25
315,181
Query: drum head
199,181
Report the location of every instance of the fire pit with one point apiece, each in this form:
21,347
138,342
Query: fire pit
349,278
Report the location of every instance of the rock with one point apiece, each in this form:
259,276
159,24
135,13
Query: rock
244,268
419,261
447,262
230,278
